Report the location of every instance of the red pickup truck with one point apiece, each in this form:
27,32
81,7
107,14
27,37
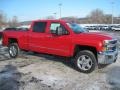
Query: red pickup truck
66,39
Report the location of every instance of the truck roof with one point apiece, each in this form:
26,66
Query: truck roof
53,20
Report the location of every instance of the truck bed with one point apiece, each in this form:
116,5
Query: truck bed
16,29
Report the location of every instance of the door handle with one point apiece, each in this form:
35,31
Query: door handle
49,36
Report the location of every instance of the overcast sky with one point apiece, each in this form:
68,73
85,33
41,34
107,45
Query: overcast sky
36,9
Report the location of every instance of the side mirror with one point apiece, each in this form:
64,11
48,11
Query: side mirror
59,31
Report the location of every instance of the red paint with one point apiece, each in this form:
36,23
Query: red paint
52,44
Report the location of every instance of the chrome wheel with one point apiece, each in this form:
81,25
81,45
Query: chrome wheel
13,51
84,62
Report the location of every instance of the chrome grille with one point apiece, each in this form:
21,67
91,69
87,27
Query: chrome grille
113,41
112,45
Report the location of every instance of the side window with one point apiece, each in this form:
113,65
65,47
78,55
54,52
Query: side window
55,26
39,27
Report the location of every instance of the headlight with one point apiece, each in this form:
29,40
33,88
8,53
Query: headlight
109,45
105,45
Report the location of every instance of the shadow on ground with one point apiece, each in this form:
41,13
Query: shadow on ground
12,79
9,78
113,78
46,57
3,53
28,55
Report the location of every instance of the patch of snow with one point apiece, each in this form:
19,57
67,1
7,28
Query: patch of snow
94,86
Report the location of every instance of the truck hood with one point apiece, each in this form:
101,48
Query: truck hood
95,36
91,39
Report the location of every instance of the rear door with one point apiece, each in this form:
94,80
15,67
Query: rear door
37,36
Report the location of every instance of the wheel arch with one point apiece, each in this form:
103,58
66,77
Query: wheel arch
78,48
12,40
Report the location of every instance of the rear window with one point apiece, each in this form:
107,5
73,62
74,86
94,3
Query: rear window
10,29
39,27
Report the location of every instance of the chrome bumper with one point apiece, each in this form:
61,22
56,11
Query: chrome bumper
107,57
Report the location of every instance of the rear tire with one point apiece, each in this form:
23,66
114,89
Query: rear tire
85,61
13,50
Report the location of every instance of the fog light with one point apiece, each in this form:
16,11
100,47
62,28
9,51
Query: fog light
109,57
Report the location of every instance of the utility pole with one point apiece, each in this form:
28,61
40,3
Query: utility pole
112,4
60,5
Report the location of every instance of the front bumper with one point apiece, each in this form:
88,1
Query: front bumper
107,57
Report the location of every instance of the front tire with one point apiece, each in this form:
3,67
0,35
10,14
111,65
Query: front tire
13,50
85,61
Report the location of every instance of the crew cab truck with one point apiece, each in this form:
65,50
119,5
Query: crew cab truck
58,37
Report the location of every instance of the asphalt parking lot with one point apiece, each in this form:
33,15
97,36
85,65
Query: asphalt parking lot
44,72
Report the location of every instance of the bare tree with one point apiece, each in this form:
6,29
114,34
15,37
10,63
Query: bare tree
96,16
71,19
50,17
117,19
3,19
107,19
13,22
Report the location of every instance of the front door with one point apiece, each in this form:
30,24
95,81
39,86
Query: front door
59,45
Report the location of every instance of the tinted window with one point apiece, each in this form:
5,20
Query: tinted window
76,28
39,26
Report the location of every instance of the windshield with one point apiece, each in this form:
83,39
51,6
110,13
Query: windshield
76,28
